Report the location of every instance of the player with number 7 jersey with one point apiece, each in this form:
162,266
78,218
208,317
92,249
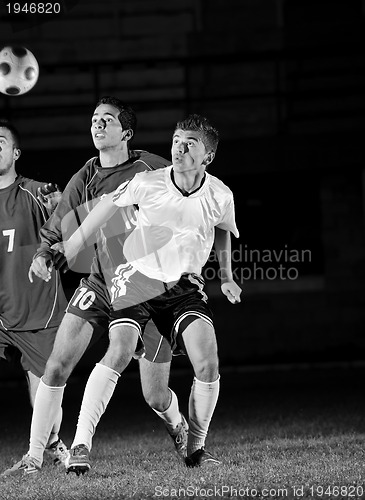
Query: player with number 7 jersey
29,315
25,306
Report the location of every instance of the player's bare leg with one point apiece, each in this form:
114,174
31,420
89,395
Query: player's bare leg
72,340
98,392
155,383
201,347
33,382
158,395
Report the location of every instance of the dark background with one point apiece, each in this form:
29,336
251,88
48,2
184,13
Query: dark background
284,82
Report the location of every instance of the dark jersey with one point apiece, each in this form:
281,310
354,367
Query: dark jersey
83,191
25,306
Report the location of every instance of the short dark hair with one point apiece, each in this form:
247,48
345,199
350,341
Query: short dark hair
127,115
198,123
4,123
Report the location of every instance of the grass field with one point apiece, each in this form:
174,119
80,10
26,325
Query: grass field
280,434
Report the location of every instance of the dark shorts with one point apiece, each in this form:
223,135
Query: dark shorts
172,311
32,349
92,303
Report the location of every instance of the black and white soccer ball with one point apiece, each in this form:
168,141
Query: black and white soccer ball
19,70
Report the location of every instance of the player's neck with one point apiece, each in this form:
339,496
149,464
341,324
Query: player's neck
7,179
109,159
188,181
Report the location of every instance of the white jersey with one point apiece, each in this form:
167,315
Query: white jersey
175,231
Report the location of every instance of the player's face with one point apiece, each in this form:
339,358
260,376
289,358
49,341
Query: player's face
188,151
106,130
8,151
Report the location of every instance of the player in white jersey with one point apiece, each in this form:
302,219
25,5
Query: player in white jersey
179,209
179,239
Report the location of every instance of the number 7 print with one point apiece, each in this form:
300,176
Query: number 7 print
11,234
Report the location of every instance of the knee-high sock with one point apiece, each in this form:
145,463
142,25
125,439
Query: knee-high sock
54,436
47,405
98,391
202,403
171,416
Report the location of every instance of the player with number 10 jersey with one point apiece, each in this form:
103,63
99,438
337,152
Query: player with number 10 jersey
91,300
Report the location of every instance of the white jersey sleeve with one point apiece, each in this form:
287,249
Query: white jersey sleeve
228,222
130,192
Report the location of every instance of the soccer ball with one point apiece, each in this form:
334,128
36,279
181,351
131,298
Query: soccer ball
19,70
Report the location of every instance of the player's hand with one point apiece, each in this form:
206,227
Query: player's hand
49,195
59,247
41,267
232,291
67,249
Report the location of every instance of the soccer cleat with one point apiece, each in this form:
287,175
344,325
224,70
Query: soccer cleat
25,467
78,460
57,452
180,436
200,458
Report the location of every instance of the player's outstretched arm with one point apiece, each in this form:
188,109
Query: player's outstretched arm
222,244
98,216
